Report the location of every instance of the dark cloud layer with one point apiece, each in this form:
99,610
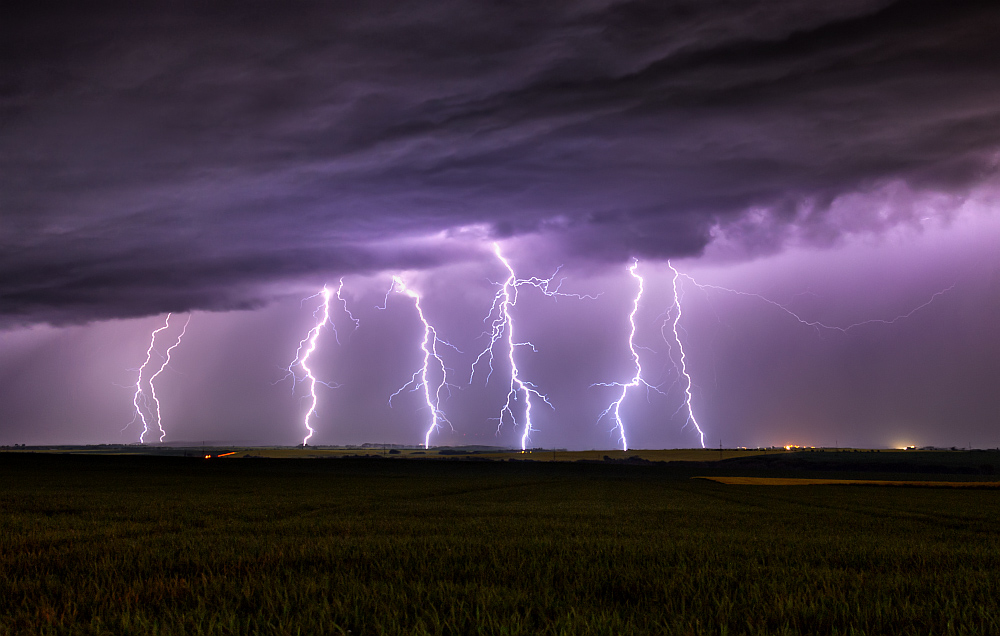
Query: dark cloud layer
189,157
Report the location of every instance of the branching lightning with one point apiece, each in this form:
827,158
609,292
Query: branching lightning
682,369
357,323
302,358
420,379
140,400
501,327
815,324
140,395
166,361
637,380
307,346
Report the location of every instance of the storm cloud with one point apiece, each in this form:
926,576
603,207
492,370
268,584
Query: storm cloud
196,156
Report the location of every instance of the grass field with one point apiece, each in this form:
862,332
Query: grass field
805,481
173,545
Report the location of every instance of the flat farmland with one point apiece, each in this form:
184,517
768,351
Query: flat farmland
672,455
174,545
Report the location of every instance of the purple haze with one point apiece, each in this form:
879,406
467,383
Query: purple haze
228,162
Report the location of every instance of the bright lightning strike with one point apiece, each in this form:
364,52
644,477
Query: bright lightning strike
166,361
502,328
637,380
682,369
140,395
140,400
429,346
302,358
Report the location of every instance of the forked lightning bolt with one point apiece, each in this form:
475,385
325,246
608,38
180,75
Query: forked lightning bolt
502,328
357,323
420,378
815,324
166,361
140,400
682,369
308,344
140,395
637,380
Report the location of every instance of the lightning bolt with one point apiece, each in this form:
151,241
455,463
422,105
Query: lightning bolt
357,323
502,328
302,359
308,344
166,361
637,380
815,324
429,346
140,395
683,358
140,400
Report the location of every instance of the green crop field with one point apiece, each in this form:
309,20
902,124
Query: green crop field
173,545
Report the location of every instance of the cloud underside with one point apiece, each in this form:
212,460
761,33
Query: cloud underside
191,157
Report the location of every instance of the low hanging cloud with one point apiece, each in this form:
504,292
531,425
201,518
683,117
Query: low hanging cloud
192,157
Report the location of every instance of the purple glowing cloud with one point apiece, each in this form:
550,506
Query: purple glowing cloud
173,159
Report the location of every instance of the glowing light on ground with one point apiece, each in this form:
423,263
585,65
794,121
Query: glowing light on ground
221,455
420,378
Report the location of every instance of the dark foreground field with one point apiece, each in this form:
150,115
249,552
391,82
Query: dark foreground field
169,545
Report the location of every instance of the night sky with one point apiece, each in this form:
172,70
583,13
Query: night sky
227,160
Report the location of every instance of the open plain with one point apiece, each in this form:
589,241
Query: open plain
126,544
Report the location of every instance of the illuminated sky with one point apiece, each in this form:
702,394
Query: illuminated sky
838,158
